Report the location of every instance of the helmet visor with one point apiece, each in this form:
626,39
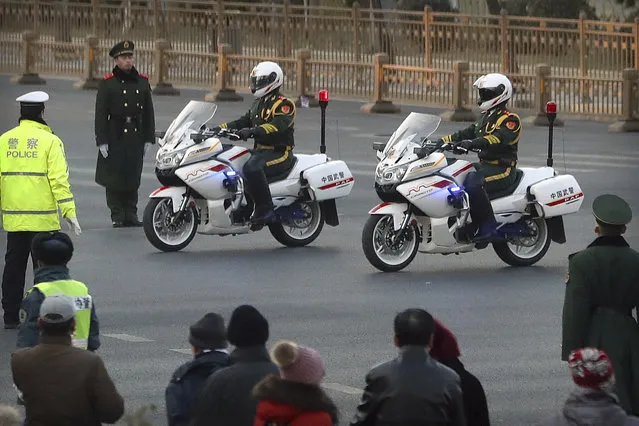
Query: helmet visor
488,93
261,81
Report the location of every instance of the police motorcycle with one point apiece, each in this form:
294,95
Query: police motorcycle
203,187
425,208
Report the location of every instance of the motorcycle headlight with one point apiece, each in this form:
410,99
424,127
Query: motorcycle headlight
387,175
170,160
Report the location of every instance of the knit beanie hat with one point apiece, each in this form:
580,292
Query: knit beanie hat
247,327
52,248
298,363
444,343
591,368
208,332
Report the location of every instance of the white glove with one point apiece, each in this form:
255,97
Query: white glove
104,150
74,225
147,145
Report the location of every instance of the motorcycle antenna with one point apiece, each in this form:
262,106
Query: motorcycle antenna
323,102
551,114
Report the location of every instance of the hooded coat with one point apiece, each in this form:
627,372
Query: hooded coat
446,351
283,402
590,407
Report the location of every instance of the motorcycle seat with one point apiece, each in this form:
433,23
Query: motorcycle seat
506,192
284,174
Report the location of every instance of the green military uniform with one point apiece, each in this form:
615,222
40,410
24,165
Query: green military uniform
497,134
602,289
124,120
272,119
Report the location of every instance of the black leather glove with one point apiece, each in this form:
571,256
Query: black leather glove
245,133
466,144
215,129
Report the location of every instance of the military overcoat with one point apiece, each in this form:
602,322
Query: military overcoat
602,289
124,119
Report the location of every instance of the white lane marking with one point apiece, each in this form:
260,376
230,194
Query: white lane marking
128,338
342,388
183,351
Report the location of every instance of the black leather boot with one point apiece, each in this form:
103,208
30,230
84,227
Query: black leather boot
257,186
481,210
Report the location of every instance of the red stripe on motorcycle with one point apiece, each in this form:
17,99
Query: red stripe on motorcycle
236,156
157,191
564,200
442,184
460,171
339,182
219,168
380,206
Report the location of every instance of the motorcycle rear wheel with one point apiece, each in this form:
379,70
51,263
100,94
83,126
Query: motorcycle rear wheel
376,244
157,214
300,232
536,246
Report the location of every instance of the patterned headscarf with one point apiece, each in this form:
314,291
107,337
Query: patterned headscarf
591,368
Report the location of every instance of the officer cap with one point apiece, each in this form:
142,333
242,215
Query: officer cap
611,210
52,248
122,48
33,98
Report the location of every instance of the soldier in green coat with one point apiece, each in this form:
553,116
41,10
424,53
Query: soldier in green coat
496,134
602,289
270,121
124,131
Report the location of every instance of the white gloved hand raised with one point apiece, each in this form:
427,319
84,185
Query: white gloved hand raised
147,145
74,225
104,150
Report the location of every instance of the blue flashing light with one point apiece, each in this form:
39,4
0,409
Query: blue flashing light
230,173
454,189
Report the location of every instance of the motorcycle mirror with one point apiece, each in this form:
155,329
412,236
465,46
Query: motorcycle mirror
379,146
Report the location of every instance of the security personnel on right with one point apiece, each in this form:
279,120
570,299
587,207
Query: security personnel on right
602,289
270,121
496,134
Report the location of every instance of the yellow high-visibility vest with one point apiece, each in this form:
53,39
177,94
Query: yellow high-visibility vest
34,179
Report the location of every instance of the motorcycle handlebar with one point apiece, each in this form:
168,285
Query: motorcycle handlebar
208,133
429,147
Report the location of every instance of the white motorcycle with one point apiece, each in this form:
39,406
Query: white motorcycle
426,209
204,193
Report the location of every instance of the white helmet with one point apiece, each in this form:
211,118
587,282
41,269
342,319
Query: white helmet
494,89
266,77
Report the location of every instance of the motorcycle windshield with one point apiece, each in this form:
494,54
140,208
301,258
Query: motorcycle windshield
413,130
190,120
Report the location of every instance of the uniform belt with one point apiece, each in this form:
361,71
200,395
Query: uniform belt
279,148
504,163
128,118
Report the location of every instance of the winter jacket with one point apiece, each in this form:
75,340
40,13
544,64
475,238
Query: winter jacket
446,350
225,398
411,390
28,333
282,402
588,407
187,381
63,385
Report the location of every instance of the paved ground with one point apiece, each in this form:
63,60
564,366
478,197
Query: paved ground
327,295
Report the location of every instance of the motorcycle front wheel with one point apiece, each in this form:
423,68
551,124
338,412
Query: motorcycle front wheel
162,231
381,251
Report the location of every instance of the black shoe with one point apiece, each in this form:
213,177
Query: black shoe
133,223
118,224
258,220
11,325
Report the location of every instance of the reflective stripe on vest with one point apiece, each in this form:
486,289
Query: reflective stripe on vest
83,304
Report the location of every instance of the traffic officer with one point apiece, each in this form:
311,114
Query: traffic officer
124,131
270,121
602,289
32,161
496,134
53,251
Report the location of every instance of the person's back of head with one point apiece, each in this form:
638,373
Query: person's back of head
414,327
52,248
9,416
57,316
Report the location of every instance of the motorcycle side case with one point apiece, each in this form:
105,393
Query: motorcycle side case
329,180
557,196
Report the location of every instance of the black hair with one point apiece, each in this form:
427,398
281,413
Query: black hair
58,329
611,230
52,248
414,327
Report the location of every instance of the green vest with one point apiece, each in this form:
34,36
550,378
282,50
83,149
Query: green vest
83,304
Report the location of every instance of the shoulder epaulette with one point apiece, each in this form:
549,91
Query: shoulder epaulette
108,76
144,75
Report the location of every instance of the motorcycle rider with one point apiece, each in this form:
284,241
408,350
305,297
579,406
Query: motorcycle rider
496,134
270,122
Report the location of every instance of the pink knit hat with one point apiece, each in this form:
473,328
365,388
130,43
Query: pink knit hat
591,368
298,363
